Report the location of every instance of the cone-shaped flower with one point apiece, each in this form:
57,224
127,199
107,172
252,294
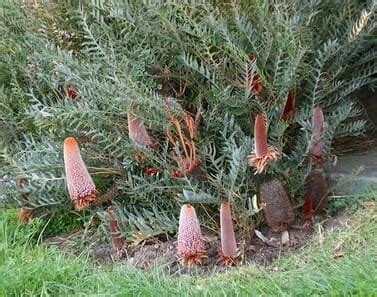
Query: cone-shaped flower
278,209
317,191
190,239
137,132
317,144
263,153
228,240
80,185
117,239
317,121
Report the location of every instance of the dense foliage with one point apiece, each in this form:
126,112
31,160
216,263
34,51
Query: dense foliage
70,69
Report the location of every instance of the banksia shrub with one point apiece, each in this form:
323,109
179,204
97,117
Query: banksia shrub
80,185
190,239
228,252
277,206
262,154
85,78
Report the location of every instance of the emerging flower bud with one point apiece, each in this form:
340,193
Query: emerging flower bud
317,191
228,239
263,153
137,132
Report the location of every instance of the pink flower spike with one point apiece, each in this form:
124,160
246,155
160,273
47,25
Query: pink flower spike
137,132
228,239
190,239
81,187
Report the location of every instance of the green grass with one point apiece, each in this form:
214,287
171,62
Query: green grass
29,268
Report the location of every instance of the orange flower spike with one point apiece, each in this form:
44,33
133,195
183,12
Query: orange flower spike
263,153
228,240
190,238
117,240
137,132
80,185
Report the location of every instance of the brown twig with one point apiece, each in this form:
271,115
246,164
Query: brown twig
110,194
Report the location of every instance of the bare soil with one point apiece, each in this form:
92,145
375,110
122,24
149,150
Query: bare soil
162,251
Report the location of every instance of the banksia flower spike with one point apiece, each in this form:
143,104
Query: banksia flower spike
317,142
80,185
190,239
263,153
117,240
228,252
289,107
316,194
278,209
137,132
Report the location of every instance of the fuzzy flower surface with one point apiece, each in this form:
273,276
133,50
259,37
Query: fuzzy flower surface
81,187
190,238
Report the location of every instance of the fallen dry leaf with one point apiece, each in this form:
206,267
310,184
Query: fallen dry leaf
337,251
267,241
285,237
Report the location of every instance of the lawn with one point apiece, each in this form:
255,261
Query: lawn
340,261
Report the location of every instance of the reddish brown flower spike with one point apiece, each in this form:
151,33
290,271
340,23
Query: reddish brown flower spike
289,107
228,253
318,121
307,208
263,153
138,133
317,191
80,185
117,239
190,239
317,144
